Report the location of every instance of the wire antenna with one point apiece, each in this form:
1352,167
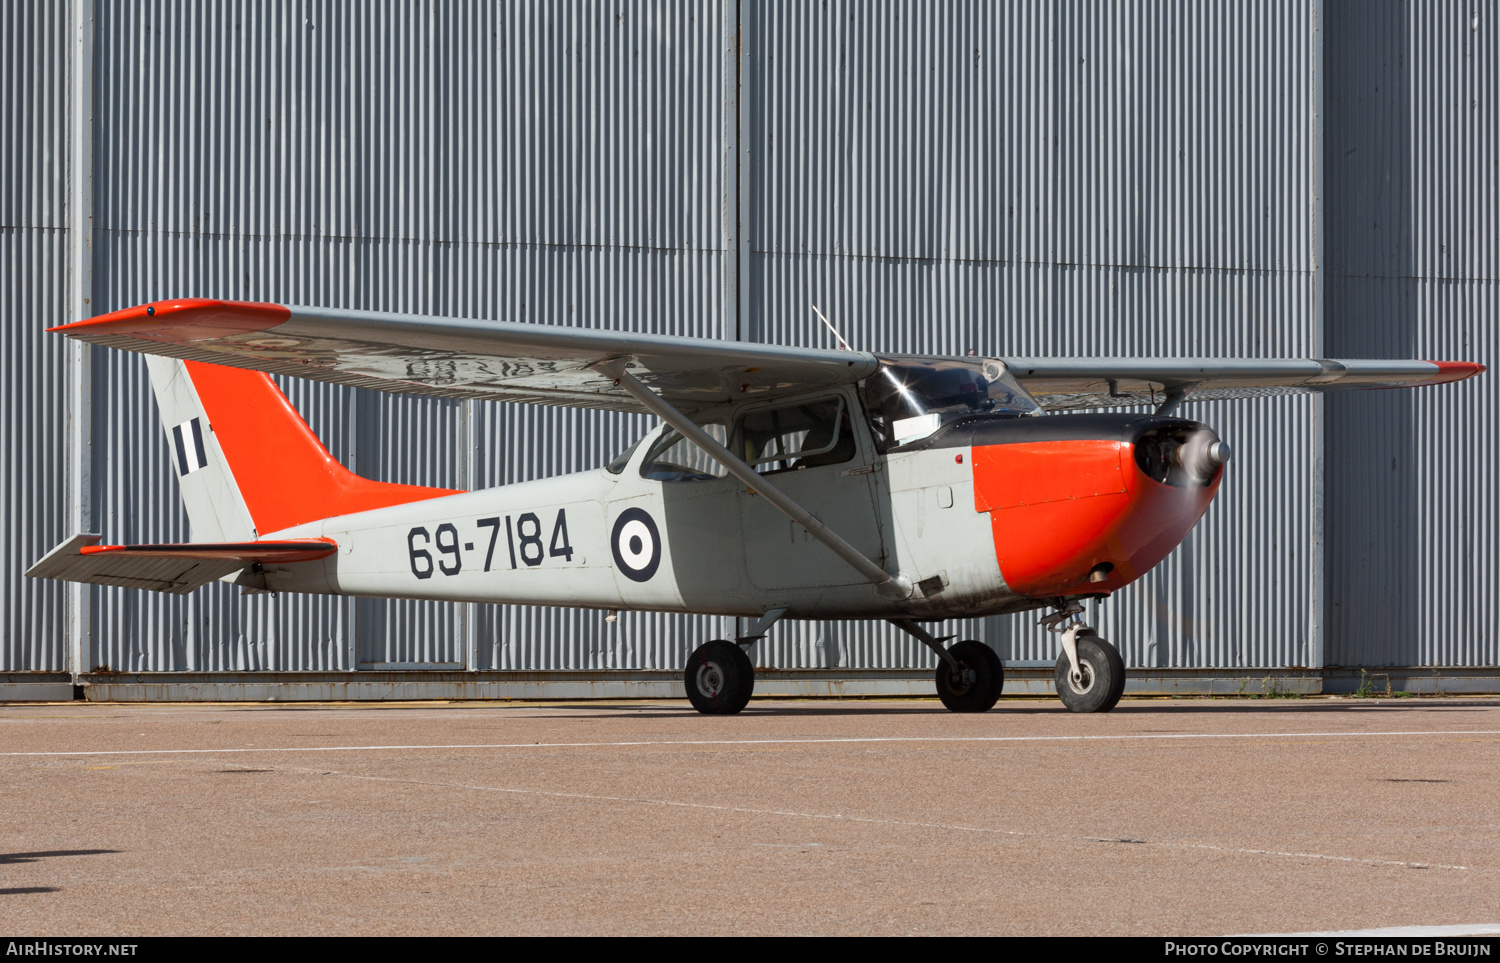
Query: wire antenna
843,345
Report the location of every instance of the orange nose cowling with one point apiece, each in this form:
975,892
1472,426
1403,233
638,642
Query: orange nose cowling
1060,508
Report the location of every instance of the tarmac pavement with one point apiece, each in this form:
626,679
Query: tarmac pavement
1165,817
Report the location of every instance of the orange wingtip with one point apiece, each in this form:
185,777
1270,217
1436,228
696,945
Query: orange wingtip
1454,371
183,319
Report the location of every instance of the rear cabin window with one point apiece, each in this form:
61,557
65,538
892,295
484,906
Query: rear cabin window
673,458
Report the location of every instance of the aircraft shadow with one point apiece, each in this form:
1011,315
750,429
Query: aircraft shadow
1042,706
9,858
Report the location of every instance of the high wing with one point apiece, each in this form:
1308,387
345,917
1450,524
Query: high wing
558,365
1061,383
457,358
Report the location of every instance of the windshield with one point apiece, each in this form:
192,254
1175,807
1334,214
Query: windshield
911,399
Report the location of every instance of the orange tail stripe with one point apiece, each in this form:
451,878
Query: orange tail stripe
284,473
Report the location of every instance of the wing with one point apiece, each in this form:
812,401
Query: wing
455,358
551,364
1059,383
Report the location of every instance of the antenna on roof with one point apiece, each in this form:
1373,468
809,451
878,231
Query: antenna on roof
843,345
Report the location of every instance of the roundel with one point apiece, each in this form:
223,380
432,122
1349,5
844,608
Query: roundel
636,545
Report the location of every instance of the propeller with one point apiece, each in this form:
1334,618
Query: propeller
1202,454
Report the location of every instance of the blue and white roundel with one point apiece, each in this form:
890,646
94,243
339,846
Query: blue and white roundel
636,545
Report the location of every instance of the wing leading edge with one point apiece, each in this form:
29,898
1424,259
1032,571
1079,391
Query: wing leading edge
556,365
1062,383
458,358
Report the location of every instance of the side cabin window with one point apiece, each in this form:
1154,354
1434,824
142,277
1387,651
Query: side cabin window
673,458
794,437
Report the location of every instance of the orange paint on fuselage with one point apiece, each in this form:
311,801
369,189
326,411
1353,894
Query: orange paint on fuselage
1060,508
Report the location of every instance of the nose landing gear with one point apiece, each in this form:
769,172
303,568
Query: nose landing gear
1090,673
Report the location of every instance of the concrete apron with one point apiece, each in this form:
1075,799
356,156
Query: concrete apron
418,684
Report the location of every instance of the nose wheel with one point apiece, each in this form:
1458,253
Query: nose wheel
719,678
1099,681
1090,673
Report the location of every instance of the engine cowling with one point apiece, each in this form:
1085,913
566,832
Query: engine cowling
1097,505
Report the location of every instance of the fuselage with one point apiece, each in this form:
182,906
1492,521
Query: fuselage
987,514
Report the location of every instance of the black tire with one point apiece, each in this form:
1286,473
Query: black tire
719,678
984,677
1103,676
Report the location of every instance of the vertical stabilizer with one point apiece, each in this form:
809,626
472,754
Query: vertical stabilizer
246,461
215,508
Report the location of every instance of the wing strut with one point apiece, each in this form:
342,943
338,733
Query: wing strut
897,587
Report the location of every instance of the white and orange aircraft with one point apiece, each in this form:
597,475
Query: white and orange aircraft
783,483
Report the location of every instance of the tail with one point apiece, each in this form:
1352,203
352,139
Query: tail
247,464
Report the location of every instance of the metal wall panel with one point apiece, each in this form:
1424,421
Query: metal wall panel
1414,271
34,72
1061,179
572,123
1034,177
1149,134
549,162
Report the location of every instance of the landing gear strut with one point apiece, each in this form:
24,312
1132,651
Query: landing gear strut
1090,673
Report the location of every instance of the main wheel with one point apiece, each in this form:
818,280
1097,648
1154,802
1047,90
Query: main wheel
979,681
1103,674
719,678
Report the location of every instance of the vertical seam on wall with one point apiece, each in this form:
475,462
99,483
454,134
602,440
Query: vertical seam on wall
78,470
1317,618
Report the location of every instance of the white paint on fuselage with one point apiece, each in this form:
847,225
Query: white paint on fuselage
921,518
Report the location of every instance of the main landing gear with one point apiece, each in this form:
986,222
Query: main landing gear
969,674
1090,673
1090,676
720,677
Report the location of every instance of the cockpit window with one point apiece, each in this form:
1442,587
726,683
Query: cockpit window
909,399
674,458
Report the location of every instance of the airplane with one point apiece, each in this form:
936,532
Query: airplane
781,483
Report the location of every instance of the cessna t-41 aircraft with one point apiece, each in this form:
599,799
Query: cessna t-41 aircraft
782,483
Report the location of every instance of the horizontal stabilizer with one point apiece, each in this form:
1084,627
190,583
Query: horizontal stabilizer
177,568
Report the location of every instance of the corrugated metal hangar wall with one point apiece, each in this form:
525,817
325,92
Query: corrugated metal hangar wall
1303,178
